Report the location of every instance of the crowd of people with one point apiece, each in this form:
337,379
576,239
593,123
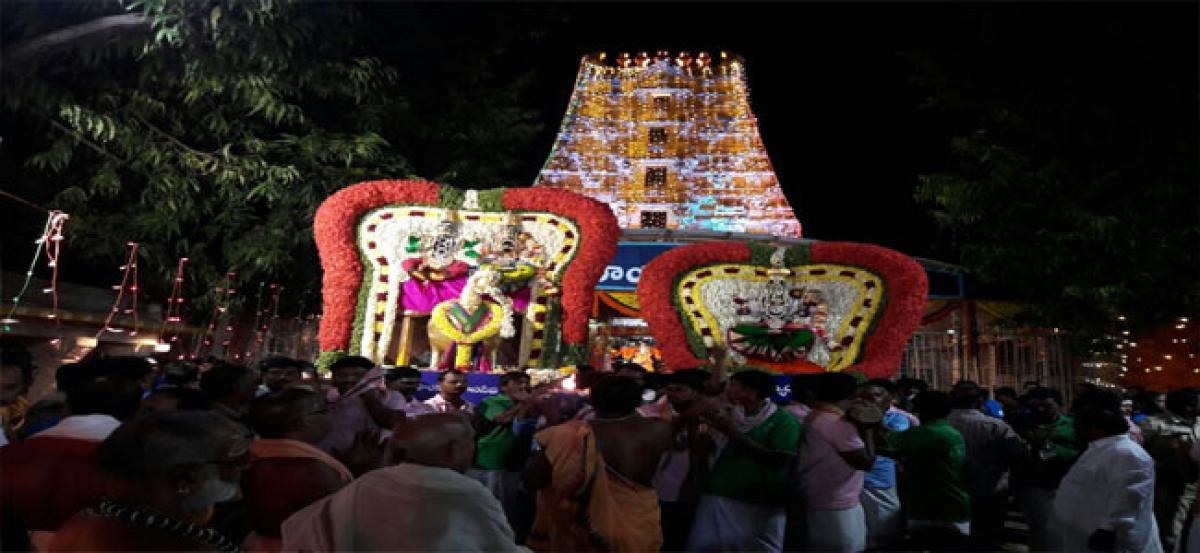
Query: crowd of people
129,456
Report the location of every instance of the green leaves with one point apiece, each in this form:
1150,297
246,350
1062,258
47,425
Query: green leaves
1081,207
215,130
215,140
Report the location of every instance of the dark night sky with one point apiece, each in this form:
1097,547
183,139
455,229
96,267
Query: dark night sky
829,84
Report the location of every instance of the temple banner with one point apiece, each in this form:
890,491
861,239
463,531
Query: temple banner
625,270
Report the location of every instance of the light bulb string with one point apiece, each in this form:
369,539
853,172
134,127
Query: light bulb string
219,312
264,334
37,256
173,318
50,244
129,271
258,318
53,246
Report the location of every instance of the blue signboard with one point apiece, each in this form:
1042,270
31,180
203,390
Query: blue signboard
481,385
625,270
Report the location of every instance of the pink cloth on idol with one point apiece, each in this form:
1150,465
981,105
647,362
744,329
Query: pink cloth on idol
520,299
829,482
421,296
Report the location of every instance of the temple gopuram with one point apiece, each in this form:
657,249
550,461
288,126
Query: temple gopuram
669,142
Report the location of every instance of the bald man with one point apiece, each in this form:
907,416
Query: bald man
424,503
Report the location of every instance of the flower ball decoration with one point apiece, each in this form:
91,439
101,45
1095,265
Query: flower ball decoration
374,237
821,306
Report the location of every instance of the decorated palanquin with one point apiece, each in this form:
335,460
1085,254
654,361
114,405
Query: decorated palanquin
478,267
814,307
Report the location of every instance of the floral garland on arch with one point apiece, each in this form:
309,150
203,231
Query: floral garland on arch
822,306
382,239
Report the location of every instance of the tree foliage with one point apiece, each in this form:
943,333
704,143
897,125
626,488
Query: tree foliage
1072,188
214,130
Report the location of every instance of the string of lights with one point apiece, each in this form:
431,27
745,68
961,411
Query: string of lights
168,333
128,285
220,312
50,245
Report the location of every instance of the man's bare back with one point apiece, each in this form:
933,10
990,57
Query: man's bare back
633,446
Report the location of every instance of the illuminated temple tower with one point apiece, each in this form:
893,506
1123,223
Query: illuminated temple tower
669,142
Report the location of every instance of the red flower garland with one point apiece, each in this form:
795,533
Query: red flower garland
336,222
656,292
333,228
907,288
597,245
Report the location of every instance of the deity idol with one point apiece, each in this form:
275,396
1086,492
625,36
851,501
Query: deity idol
435,272
517,257
787,323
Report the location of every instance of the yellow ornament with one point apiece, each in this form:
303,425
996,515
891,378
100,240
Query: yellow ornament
440,320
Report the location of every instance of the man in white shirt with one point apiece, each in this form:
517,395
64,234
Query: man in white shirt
97,405
425,503
451,387
1106,501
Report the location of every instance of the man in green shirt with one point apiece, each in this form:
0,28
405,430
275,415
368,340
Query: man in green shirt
503,426
933,455
1053,448
742,508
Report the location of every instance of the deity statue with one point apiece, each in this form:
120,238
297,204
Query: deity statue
645,355
435,273
517,257
782,323
465,331
514,253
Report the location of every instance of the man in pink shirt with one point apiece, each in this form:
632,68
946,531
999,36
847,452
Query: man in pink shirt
832,460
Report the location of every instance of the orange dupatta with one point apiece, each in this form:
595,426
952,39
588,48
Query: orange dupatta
587,506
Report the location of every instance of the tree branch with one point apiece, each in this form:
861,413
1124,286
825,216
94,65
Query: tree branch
103,26
171,138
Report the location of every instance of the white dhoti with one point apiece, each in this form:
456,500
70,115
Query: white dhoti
724,524
843,530
881,509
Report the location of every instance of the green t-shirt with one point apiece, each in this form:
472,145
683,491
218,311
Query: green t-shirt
933,456
738,475
496,445
1053,449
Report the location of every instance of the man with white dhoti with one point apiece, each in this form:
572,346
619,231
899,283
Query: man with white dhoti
880,496
425,503
833,458
742,508
1106,501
